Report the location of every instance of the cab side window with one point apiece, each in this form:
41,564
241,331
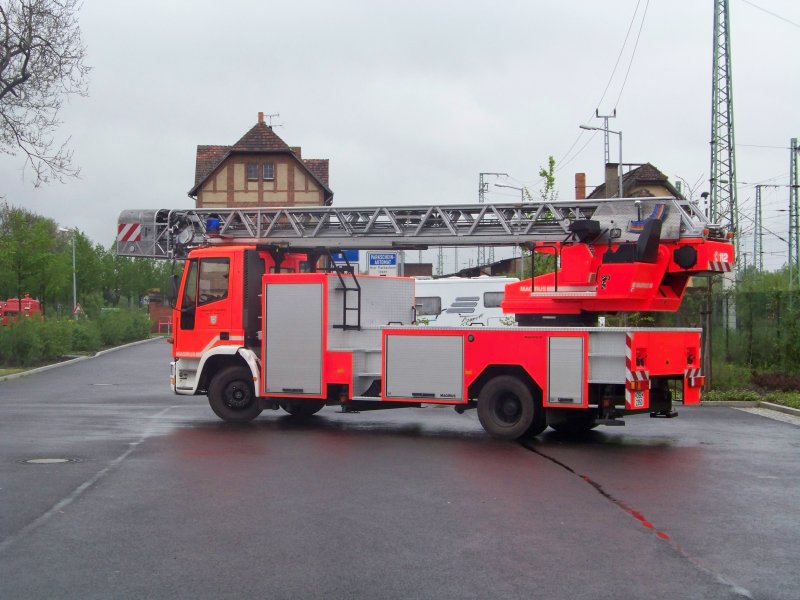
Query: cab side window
190,288
213,280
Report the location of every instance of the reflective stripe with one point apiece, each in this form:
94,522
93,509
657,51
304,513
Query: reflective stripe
129,232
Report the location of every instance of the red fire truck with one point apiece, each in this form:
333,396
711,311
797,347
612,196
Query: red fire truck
13,308
257,325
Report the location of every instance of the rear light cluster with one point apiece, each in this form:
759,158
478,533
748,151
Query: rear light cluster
638,385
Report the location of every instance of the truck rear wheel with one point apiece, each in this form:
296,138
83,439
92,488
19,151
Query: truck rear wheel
301,408
232,396
507,409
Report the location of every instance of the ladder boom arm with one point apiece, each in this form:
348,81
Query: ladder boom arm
168,234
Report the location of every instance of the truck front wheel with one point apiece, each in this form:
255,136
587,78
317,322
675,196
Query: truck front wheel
232,396
507,409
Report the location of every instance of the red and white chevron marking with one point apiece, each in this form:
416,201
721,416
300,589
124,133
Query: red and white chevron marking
635,395
129,232
694,377
720,267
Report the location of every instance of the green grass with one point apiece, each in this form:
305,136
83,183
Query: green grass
14,371
791,399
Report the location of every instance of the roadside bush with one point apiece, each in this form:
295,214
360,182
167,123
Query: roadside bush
777,381
784,398
85,336
21,342
731,396
120,327
56,338
729,376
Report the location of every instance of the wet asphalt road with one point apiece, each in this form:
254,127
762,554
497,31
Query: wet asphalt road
166,501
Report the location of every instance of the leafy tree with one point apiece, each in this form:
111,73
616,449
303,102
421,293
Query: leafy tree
41,63
27,243
543,262
548,175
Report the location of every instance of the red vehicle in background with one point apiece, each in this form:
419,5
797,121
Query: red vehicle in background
11,309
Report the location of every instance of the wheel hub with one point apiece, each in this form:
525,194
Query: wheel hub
237,396
509,408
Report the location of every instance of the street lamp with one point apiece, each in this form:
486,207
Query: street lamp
619,133
522,190
74,284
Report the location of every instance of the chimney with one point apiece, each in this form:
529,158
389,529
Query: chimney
580,186
260,117
612,180
296,150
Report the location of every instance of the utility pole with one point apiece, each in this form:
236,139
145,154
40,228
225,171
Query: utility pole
606,148
794,216
724,207
483,187
619,133
758,234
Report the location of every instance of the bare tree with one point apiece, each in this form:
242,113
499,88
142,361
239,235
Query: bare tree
41,63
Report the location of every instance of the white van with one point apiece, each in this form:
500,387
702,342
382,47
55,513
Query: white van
460,301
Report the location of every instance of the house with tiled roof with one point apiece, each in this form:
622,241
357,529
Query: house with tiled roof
642,181
259,170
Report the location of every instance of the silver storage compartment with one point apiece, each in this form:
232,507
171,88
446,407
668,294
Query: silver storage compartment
293,324
565,371
424,367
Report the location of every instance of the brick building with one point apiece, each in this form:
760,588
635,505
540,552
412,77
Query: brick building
643,181
259,170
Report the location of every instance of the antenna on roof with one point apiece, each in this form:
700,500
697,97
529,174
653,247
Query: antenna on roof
272,116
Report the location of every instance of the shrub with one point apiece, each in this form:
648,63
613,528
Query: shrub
777,381
56,338
22,342
119,327
731,396
784,398
85,336
729,376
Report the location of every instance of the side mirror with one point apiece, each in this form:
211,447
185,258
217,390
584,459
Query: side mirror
172,290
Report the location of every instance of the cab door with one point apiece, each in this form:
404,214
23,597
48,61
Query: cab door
205,312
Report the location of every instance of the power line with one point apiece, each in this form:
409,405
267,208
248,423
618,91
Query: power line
621,51
633,54
563,162
777,16
762,146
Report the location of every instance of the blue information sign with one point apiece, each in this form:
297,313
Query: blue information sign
350,255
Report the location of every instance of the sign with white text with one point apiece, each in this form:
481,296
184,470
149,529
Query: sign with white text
382,263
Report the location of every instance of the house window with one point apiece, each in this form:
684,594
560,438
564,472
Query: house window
252,171
269,171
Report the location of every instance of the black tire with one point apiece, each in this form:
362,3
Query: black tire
507,409
301,408
232,396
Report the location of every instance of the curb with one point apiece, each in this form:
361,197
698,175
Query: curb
754,404
75,360
779,408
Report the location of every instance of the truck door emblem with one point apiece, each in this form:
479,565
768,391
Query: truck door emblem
213,319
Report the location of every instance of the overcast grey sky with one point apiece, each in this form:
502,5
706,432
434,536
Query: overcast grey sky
411,100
